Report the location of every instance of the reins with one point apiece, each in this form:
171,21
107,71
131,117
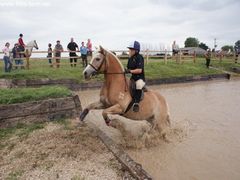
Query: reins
105,71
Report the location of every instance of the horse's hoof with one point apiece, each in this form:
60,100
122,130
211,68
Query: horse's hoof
83,114
108,122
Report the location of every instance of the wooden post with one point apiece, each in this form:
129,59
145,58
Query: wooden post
147,55
180,57
234,57
165,57
27,59
220,57
194,57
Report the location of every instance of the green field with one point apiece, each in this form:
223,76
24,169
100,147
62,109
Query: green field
19,95
154,69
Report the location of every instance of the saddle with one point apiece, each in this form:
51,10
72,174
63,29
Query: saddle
132,89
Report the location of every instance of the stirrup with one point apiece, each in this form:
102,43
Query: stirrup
135,107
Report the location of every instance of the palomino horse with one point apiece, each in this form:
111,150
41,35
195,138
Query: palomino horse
115,94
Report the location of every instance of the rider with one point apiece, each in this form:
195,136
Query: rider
135,66
21,45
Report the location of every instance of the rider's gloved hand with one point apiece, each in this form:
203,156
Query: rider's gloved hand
127,71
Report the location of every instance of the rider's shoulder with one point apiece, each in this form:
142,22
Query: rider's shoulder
139,56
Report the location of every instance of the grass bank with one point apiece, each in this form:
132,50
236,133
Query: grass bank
19,95
155,69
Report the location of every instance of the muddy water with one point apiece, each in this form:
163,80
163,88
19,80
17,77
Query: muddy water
206,132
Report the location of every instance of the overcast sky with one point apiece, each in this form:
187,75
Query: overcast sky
114,23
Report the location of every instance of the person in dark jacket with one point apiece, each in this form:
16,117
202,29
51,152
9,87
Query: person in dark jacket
16,55
72,48
135,66
208,57
49,55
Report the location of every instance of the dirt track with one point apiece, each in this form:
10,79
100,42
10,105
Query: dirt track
57,152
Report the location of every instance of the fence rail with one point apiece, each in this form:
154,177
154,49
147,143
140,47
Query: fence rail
148,55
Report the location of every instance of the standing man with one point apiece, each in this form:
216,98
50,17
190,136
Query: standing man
174,48
84,51
135,66
72,47
16,56
208,57
89,47
49,55
21,45
237,53
58,49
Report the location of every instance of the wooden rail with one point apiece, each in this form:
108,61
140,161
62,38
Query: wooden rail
165,55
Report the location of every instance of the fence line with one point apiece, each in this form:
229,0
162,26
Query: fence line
165,55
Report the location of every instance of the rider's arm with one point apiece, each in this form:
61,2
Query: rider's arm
136,71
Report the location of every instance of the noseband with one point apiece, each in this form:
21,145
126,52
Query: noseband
103,61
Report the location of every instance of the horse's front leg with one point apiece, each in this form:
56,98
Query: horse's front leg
95,105
115,109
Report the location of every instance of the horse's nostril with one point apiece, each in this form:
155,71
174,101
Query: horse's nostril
85,73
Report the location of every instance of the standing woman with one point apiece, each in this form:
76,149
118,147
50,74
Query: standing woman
6,58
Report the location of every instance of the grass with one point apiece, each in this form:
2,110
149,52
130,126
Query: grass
20,130
19,95
154,69
225,64
15,175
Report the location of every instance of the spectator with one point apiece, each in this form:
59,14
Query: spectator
208,57
73,47
50,54
58,49
21,45
84,51
237,53
6,58
89,47
175,48
16,55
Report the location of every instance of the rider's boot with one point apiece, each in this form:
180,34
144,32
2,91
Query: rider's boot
137,97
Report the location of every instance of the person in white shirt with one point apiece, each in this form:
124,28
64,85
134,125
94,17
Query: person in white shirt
6,58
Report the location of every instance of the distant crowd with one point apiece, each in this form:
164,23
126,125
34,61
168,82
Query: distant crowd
72,47
17,53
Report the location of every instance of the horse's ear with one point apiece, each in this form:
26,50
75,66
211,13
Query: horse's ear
102,50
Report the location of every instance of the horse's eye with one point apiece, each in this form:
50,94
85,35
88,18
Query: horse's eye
97,59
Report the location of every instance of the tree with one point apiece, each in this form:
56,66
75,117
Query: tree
227,48
203,46
191,42
237,46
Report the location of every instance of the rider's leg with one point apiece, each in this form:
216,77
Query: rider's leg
138,93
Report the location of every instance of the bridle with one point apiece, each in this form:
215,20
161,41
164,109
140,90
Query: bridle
104,61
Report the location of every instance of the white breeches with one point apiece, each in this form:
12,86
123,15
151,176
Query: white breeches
140,84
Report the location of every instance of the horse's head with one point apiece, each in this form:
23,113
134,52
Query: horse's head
97,64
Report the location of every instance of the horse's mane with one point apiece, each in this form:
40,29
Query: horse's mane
30,42
119,62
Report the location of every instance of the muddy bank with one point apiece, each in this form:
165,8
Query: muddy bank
205,132
57,151
74,85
